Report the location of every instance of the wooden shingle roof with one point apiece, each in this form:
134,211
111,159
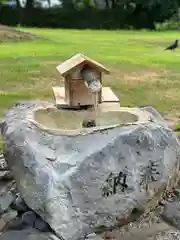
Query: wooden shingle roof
77,60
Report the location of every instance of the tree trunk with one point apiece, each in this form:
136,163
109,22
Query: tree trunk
107,3
49,3
29,4
20,12
113,3
29,10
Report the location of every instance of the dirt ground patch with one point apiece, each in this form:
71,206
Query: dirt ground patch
8,34
34,71
46,63
117,75
135,76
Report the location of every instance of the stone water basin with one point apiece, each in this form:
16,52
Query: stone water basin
84,183
71,121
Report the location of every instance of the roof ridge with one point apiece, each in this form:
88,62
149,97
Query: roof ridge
76,60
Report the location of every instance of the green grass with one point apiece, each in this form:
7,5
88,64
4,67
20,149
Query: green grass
142,72
177,129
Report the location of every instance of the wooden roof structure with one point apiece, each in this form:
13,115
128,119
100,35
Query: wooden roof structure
78,60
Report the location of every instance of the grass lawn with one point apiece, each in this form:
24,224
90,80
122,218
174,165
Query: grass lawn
142,72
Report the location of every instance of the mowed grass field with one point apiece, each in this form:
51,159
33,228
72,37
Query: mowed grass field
142,73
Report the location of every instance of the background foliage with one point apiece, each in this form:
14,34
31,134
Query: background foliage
92,14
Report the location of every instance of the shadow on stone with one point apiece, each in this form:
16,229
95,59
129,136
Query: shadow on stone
27,234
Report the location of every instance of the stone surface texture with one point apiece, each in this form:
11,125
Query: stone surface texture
171,214
7,195
27,234
73,183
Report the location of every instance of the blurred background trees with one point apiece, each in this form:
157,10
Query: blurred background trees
93,14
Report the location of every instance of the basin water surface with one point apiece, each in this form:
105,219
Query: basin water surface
73,119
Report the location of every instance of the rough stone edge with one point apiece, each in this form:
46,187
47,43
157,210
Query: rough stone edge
40,105
32,106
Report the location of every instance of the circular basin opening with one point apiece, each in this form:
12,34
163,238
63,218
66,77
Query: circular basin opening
74,119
